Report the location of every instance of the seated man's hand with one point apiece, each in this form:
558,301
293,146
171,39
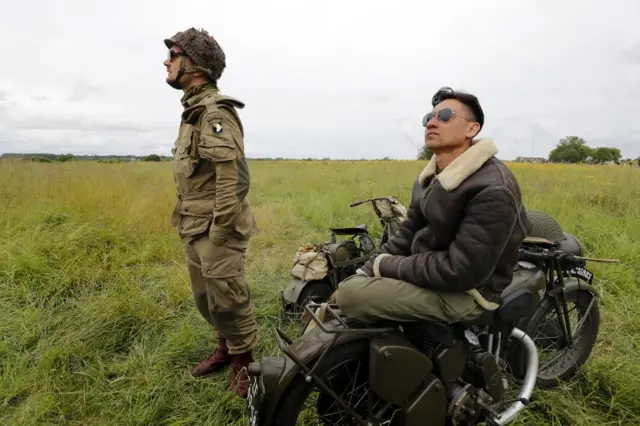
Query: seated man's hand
367,269
360,271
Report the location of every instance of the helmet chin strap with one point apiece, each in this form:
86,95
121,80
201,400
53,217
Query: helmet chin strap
182,71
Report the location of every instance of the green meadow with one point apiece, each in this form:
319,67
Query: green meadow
97,321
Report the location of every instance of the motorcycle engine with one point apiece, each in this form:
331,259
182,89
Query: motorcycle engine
342,251
464,408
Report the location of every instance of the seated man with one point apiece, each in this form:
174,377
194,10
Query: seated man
456,251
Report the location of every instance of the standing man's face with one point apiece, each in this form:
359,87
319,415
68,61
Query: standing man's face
175,56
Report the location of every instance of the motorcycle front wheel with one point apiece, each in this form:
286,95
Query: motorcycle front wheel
558,361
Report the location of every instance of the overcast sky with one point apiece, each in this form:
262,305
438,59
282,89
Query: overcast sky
340,79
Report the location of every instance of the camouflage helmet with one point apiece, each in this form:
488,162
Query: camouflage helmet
203,49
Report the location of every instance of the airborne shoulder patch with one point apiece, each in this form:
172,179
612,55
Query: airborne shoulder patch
215,120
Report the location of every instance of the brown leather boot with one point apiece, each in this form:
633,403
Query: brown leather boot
239,376
217,361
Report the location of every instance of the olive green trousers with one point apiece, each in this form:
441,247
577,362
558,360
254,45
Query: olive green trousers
368,299
220,290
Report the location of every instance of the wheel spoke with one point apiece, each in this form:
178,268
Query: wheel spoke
555,356
350,383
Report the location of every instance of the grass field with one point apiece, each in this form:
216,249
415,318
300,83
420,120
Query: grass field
97,323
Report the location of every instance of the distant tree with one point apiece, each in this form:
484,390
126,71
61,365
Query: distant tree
605,154
571,149
152,157
65,157
425,153
39,159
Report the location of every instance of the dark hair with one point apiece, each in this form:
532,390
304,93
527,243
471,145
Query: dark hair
467,99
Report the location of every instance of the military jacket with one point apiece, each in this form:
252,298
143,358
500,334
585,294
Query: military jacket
210,169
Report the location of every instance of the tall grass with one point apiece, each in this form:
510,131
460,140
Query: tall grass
97,321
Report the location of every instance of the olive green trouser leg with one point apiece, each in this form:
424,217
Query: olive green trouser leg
368,299
221,292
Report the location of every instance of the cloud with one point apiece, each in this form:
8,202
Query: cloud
331,79
82,91
631,53
79,124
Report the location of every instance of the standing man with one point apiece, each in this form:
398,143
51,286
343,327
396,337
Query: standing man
212,214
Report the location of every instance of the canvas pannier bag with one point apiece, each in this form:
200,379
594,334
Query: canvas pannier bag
390,209
310,263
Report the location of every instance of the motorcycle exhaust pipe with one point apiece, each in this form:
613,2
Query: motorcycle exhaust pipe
510,413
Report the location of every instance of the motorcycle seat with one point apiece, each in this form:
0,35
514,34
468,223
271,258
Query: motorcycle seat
518,299
358,229
514,306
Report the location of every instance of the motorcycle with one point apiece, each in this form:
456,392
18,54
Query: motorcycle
400,374
319,268
568,282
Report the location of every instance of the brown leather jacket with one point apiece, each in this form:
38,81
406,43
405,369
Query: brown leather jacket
463,230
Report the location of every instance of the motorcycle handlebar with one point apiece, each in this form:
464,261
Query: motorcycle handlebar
559,255
563,257
571,259
357,203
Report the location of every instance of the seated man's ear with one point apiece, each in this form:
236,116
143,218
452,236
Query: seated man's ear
473,129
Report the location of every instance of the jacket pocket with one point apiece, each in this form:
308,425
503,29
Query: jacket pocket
245,224
186,163
420,239
175,214
220,261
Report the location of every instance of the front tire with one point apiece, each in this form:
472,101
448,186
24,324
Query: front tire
544,329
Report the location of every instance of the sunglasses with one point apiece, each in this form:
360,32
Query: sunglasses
171,54
444,115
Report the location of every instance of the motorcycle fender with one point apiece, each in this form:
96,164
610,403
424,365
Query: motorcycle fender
570,284
306,348
291,293
547,303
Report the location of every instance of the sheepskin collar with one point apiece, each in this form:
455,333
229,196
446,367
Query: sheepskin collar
463,166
